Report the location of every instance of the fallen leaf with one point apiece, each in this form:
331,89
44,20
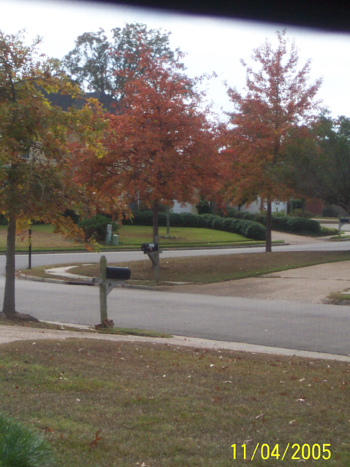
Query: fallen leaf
98,438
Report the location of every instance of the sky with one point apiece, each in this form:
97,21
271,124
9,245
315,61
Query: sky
211,44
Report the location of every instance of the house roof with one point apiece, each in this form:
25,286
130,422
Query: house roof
66,101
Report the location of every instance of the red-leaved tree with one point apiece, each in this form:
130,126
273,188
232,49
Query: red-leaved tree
277,100
160,146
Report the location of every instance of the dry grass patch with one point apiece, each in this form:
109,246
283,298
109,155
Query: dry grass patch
123,404
43,238
218,268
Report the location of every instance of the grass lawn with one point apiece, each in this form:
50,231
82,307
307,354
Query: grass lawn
43,238
213,268
130,236
110,404
135,235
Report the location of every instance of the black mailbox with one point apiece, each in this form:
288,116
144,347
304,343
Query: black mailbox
149,247
118,274
344,220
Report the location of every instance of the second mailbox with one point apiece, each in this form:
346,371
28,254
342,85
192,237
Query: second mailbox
118,274
149,247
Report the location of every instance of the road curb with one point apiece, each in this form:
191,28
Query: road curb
70,282
17,333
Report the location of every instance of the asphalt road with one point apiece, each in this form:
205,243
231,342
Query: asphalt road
318,328
313,327
124,256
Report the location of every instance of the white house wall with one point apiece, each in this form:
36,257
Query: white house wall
255,207
179,209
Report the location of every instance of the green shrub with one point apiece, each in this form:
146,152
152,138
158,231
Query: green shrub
207,220
96,227
256,231
162,218
261,218
3,220
22,447
296,204
300,225
300,213
330,211
279,222
246,228
240,214
142,218
185,219
177,219
230,212
203,207
228,225
218,223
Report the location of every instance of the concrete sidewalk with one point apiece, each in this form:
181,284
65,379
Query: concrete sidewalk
18,333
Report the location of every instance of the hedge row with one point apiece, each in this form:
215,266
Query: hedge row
296,225
247,228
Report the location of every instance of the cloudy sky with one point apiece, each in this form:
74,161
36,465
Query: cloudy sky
211,44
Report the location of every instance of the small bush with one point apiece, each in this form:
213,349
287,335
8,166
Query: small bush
203,207
3,220
142,218
228,225
240,214
96,227
218,223
22,447
177,219
207,220
300,225
296,204
330,211
190,220
299,213
261,218
246,228
256,231
280,223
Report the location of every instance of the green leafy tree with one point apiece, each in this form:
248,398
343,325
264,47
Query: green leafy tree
97,62
317,164
36,181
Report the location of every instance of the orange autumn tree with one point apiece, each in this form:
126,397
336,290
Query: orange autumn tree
36,181
278,99
160,146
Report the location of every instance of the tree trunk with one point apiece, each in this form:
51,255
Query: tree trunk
168,221
9,308
268,227
155,222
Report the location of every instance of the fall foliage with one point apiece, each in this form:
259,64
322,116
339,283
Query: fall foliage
160,147
35,175
278,99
